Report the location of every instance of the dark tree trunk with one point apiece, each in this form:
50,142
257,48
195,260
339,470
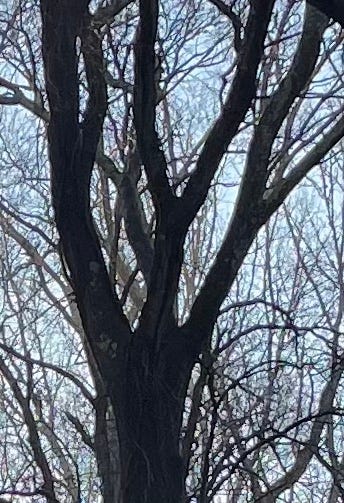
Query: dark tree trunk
107,452
153,472
152,467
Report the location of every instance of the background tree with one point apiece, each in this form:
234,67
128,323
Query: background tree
143,179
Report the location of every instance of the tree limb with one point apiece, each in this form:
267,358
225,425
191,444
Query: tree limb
238,101
64,373
305,455
72,148
145,93
284,187
331,8
35,443
250,210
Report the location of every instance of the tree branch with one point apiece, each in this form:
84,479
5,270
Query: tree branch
135,221
305,455
72,149
86,438
17,97
145,93
284,187
250,211
64,373
227,11
239,98
35,443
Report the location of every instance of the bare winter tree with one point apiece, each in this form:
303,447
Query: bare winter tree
181,329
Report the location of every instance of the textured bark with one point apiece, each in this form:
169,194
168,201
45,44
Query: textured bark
106,446
156,387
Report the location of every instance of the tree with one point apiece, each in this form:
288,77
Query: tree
142,351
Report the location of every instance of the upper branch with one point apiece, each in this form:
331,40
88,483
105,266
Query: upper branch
227,11
251,210
48,487
72,151
283,188
97,94
239,98
145,94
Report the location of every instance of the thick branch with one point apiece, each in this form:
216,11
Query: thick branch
86,438
239,98
250,211
145,93
135,222
136,225
72,150
227,11
283,188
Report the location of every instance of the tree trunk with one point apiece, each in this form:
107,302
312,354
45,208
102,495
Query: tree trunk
152,467
107,451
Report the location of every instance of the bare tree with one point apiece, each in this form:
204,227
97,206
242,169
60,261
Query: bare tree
138,163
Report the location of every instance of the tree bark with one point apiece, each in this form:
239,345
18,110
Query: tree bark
156,384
